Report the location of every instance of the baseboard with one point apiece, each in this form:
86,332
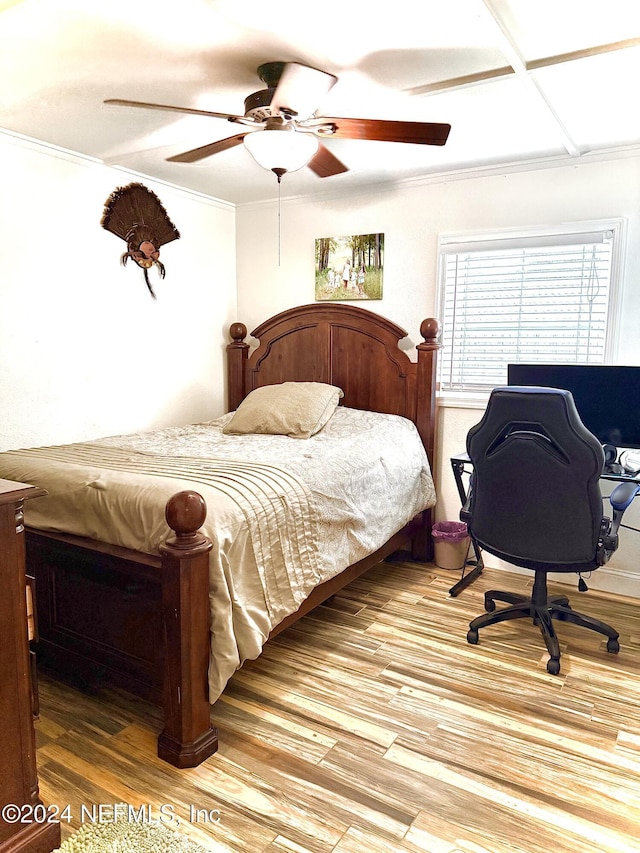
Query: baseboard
606,579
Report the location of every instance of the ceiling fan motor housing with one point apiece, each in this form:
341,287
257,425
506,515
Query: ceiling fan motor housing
257,106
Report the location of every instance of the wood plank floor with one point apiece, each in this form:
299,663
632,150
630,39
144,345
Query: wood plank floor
372,725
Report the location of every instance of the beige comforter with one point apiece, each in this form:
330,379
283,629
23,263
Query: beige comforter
283,514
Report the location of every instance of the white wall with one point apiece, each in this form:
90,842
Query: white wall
411,217
84,349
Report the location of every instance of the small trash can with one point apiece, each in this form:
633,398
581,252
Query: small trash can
450,544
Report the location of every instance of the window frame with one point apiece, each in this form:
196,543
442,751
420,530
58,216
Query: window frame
477,398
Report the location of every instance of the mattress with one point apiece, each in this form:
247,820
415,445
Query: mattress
283,514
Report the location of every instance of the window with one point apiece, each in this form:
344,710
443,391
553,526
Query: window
533,297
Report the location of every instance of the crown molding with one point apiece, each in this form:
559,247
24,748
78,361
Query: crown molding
60,153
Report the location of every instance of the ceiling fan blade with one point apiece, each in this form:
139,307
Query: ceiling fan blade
325,164
417,132
193,112
300,90
207,150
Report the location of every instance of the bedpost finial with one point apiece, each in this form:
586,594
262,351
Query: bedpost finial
237,332
430,330
185,513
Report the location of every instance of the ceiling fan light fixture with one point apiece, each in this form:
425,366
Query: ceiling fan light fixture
281,148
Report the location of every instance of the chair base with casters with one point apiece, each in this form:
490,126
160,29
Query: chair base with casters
542,609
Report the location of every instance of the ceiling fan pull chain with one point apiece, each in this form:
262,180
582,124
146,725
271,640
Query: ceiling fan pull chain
279,218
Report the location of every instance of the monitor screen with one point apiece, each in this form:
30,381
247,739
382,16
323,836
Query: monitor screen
607,397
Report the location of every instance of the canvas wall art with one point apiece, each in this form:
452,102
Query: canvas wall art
349,268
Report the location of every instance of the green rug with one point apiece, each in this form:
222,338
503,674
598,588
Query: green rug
127,837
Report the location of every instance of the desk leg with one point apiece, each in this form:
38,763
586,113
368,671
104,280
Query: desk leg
466,579
469,578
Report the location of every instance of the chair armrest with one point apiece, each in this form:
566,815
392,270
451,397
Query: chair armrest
620,499
623,494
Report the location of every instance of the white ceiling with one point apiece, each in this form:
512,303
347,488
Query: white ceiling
565,87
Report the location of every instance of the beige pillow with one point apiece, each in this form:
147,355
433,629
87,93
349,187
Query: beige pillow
296,409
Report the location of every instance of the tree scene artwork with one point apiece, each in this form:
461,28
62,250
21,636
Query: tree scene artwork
349,267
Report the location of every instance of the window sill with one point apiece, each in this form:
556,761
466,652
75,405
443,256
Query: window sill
463,399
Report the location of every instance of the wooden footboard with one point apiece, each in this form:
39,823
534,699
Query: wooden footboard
113,616
108,616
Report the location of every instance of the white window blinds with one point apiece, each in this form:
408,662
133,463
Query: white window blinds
535,298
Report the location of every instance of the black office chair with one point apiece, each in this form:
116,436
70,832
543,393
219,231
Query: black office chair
534,500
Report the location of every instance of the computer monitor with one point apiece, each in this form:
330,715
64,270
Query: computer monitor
607,397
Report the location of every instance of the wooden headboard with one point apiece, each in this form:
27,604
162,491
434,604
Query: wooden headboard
344,345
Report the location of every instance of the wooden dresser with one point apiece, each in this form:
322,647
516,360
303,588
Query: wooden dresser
23,819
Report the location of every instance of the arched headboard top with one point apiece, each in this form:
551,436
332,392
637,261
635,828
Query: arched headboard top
343,345
339,314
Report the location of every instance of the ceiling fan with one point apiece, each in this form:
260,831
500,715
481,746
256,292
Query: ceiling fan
283,132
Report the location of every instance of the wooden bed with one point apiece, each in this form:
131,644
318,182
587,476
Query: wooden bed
140,621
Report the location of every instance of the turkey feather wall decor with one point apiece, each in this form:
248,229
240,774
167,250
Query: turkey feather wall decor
136,215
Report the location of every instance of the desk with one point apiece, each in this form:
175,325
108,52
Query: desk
461,465
620,478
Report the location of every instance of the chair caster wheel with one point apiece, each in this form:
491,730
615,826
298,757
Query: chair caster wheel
553,666
613,646
472,637
489,605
